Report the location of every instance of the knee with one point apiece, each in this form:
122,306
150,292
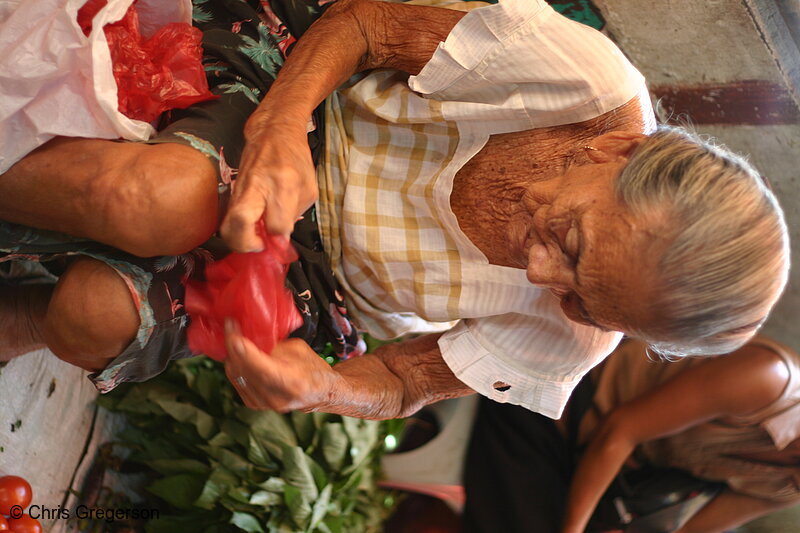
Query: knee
91,317
161,201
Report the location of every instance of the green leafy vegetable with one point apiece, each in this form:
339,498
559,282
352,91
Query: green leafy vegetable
218,467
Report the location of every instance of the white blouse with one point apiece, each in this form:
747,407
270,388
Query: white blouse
393,146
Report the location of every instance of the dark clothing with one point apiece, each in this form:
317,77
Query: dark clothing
519,467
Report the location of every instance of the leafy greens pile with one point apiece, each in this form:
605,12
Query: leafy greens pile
220,467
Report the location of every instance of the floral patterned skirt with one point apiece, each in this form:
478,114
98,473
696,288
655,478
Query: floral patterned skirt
245,43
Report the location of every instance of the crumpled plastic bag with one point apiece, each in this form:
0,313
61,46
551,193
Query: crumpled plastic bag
54,80
153,75
248,288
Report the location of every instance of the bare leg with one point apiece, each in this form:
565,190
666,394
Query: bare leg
145,199
87,319
22,312
91,317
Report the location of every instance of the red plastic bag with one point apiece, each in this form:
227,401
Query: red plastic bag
154,75
248,288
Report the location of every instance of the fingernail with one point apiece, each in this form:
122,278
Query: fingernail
231,326
238,347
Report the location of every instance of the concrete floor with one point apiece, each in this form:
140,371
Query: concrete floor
685,42
49,429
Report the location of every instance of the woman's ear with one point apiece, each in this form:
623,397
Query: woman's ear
614,146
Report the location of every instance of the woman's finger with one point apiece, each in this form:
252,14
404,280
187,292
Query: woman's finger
247,361
240,383
238,228
238,370
240,349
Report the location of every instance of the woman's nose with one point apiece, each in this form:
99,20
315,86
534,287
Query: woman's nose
548,272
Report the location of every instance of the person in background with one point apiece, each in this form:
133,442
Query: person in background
733,419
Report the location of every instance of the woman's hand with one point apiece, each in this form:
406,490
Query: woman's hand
292,377
276,182
276,177
394,382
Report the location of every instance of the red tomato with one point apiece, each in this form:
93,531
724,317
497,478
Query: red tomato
14,491
24,524
3,524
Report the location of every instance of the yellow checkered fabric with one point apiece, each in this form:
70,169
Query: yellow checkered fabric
379,209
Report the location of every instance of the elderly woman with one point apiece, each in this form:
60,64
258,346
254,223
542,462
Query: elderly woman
511,200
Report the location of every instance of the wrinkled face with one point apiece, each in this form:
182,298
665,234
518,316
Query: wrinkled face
588,249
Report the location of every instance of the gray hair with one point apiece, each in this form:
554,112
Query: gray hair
727,258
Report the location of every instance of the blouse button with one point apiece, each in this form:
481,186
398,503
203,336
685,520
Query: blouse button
501,386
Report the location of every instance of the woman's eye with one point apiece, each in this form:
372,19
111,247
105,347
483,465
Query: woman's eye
571,241
566,233
559,228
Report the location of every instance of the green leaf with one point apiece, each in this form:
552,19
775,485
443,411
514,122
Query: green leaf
180,490
239,495
364,436
184,412
270,428
246,522
293,473
353,480
206,384
218,483
195,521
335,445
188,371
320,507
321,418
221,439
108,401
265,498
373,343
178,466
233,462
335,524
280,523
139,400
237,431
217,528
258,454
274,484
304,427
299,506
297,472
156,392
367,481
319,474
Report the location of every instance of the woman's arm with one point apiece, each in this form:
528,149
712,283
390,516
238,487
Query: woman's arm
394,382
276,177
731,385
729,510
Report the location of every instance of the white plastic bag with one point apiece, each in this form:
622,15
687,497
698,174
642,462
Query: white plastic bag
54,80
